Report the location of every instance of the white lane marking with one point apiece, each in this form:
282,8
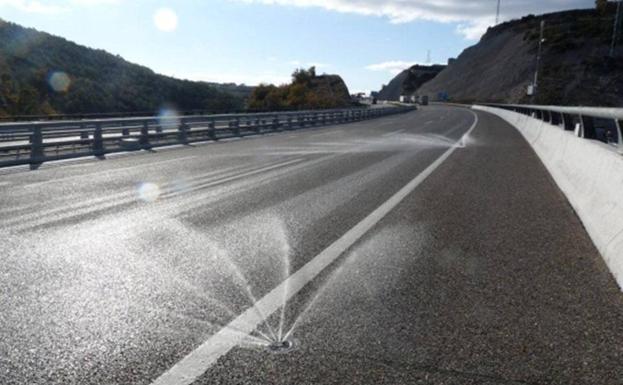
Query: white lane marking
191,367
394,132
110,171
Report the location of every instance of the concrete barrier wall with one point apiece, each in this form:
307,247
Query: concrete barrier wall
589,173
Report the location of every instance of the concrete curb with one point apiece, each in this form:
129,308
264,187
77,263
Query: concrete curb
588,172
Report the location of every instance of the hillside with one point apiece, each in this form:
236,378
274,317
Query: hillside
307,91
575,68
45,74
408,81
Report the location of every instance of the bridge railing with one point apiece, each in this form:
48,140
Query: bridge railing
602,124
36,142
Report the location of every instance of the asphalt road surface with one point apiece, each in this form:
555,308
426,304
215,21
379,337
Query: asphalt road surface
425,248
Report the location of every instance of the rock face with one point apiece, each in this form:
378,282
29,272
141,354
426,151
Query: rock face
332,85
408,81
575,67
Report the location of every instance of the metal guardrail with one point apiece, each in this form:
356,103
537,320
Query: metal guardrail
602,124
37,142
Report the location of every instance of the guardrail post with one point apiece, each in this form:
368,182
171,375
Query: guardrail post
98,140
36,145
212,130
588,128
619,126
182,134
144,138
275,124
236,124
289,122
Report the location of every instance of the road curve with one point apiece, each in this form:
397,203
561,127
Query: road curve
114,271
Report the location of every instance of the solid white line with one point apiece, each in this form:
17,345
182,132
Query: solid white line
191,367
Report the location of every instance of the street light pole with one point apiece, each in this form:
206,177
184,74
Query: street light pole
497,14
615,30
535,84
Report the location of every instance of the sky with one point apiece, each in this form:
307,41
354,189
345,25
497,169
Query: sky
367,42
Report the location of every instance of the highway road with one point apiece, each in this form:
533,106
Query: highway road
425,248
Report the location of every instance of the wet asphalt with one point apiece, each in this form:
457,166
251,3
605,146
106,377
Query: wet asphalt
113,270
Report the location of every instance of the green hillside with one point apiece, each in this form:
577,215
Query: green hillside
45,74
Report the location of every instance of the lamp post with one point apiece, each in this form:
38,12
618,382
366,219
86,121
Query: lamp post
615,29
535,84
497,13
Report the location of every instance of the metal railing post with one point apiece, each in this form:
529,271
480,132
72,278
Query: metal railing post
212,130
588,127
235,125
36,145
275,124
144,138
619,125
98,140
182,134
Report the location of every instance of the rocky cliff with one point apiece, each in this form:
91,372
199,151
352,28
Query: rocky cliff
575,69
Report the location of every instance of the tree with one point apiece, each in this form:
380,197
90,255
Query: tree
601,5
303,76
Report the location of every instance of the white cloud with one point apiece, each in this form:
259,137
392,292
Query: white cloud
474,16
52,7
394,67
32,6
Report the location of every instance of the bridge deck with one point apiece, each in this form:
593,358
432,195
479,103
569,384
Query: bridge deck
115,270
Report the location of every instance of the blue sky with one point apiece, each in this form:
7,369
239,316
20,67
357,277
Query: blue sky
253,41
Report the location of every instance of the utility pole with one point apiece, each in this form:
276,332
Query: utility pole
497,14
615,29
428,59
535,84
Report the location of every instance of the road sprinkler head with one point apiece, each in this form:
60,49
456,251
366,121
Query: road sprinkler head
280,347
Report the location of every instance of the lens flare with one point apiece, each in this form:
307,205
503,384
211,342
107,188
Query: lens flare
148,192
169,118
59,81
165,20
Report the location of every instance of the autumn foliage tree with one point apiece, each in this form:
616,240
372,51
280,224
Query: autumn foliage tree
306,91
